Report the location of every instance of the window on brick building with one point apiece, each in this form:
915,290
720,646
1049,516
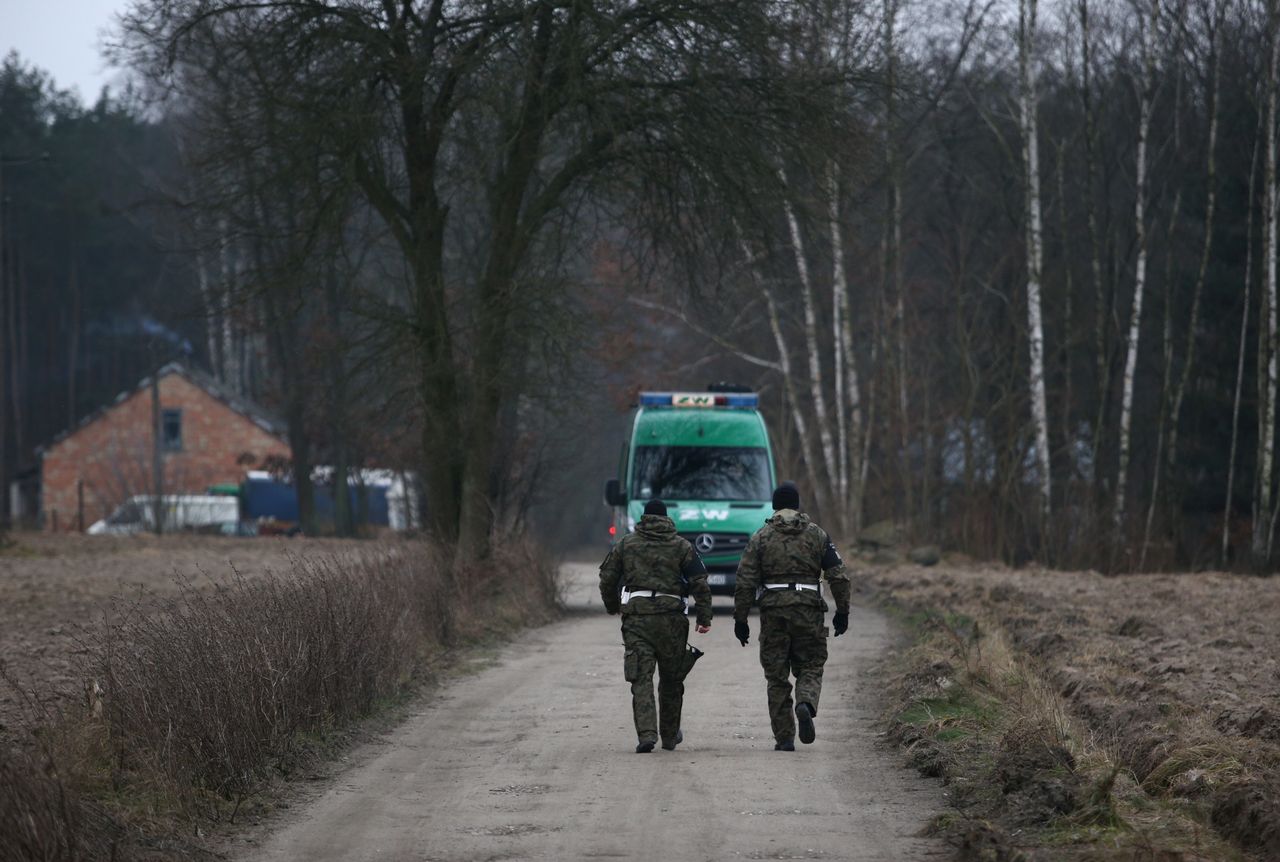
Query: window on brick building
171,430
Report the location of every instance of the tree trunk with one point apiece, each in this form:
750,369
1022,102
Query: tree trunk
1068,342
442,425
786,371
1145,98
282,335
1102,310
838,350
1166,388
1210,207
1167,385
284,330
851,474
207,300
229,371
797,414
817,389
343,521
1035,254
892,265
1267,334
1244,337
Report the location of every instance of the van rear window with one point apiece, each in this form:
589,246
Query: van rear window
700,473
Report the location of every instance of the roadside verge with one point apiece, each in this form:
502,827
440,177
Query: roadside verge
199,702
1045,705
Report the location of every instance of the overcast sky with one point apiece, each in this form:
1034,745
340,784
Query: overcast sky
64,38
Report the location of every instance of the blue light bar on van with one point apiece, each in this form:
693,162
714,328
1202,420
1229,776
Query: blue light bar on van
747,400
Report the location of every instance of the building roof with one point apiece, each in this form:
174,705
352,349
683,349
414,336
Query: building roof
246,408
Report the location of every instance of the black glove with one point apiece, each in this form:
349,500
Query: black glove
840,622
742,632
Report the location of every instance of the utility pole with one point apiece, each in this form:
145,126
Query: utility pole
157,452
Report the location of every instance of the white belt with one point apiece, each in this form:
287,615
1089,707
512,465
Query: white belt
628,595
789,586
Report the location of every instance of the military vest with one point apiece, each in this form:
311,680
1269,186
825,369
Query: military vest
792,556
653,556
652,564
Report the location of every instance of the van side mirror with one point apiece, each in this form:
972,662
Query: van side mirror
613,493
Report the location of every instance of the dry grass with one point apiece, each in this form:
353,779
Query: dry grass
1028,780
198,699
1172,677
40,819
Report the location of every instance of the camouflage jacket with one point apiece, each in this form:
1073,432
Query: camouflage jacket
789,548
654,557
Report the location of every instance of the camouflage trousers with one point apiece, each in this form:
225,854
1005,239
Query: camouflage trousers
793,640
655,641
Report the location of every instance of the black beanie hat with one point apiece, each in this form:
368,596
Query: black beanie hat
655,507
786,496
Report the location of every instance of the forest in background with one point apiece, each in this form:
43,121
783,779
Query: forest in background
1005,273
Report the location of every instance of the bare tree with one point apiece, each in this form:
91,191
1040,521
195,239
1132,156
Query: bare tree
1102,306
1147,24
852,471
1267,334
1034,244
1214,15
1244,339
817,390
549,95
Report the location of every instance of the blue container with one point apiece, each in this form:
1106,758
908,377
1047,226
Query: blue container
263,496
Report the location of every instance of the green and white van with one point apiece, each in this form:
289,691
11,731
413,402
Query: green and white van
707,456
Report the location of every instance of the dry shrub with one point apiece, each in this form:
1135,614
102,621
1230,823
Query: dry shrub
200,698
225,688
219,688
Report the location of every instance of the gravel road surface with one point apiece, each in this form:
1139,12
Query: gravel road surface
533,758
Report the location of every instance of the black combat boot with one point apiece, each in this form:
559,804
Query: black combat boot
644,747
804,713
784,745
671,746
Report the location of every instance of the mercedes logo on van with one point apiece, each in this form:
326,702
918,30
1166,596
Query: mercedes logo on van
704,543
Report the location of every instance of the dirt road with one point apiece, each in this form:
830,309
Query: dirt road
533,758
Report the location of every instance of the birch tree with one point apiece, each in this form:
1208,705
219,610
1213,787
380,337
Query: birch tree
1146,96
1166,454
892,236
1214,24
1034,247
1170,284
852,471
841,484
1102,305
817,391
1267,333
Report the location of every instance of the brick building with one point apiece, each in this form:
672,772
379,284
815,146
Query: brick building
208,437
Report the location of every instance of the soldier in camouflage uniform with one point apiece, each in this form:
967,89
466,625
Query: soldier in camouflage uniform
782,568
644,577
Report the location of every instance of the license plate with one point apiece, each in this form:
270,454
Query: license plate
717,580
